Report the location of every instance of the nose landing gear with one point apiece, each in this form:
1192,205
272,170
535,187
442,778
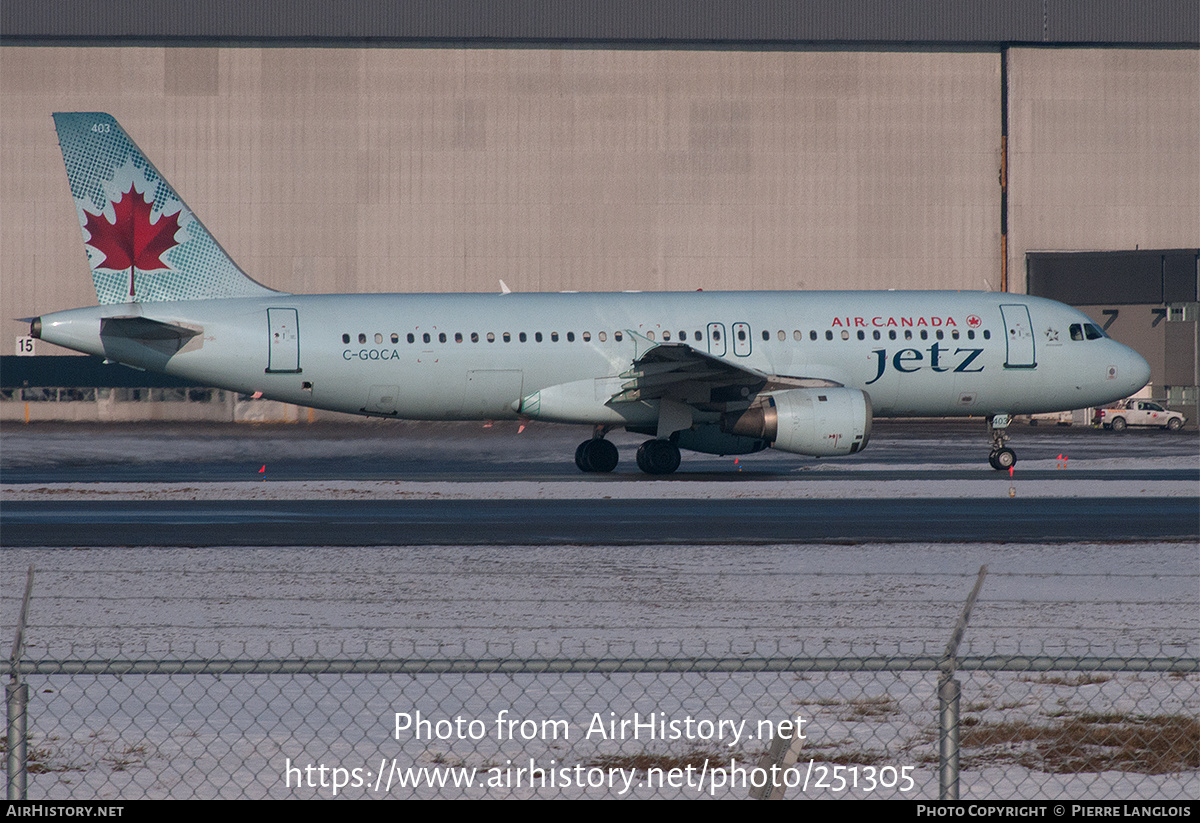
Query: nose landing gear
1002,457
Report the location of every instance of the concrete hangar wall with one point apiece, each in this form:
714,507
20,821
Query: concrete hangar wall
761,145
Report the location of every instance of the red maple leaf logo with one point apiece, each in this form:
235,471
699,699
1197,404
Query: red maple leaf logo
132,240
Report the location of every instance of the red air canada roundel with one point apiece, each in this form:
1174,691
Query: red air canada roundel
133,240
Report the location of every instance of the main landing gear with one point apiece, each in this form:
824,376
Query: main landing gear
653,457
597,455
1002,457
658,457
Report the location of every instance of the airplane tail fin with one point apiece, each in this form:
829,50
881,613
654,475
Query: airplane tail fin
143,243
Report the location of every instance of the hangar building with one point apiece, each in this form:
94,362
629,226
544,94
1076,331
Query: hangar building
444,145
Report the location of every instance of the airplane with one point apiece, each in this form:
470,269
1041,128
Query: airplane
726,373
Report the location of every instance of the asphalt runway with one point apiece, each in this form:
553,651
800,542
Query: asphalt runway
83,474
586,522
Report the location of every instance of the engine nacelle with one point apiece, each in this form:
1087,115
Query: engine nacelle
817,422
709,439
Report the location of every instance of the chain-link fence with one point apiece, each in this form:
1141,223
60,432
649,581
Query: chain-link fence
1030,727
121,695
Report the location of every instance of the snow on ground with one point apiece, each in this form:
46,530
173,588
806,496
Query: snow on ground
234,735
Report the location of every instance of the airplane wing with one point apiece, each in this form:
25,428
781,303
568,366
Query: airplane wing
677,371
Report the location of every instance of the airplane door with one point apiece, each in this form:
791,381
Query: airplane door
283,353
716,339
741,339
1018,332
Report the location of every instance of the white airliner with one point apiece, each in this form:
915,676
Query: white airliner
715,372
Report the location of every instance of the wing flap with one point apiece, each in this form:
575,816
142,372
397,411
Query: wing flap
679,372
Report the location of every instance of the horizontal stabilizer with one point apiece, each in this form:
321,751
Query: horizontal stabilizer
145,330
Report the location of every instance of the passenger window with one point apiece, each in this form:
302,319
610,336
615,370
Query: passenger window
891,334
987,335
812,335
553,337
876,334
617,336
362,338
716,335
570,337
970,334
666,335
845,334
742,335
491,337
650,335
908,334
442,337
537,337
924,334
682,335
474,337
603,336
939,334
797,336
395,337
507,337
828,335
954,334
522,337
425,337
458,337
411,338
862,335
587,337
378,338
345,338
767,335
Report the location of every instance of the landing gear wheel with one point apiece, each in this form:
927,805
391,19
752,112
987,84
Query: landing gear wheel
596,455
658,457
1002,459
581,456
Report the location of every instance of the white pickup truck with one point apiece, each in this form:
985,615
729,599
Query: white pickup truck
1135,412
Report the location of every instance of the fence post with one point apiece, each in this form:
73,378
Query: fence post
16,700
949,691
783,754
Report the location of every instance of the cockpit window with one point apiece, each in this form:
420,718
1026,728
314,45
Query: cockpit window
1089,331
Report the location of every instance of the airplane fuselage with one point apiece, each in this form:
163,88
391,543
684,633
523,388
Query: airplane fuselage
478,356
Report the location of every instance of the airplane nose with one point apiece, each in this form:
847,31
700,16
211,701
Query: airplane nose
1137,371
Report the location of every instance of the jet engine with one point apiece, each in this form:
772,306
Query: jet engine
817,422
